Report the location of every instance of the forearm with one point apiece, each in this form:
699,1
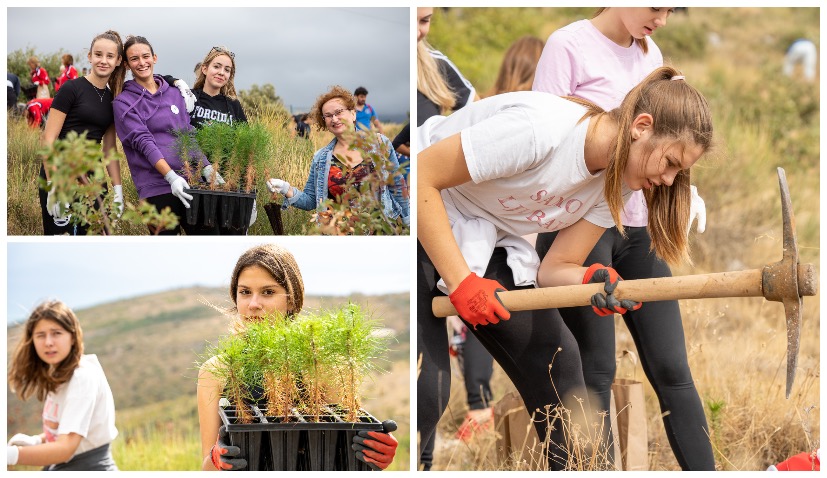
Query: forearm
434,232
557,274
162,167
114,170
46,454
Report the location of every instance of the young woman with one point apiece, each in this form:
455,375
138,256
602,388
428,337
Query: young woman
82,106
600,60
147,113
79,412
526,162
440,87
40,77
67,71
334,111
266,281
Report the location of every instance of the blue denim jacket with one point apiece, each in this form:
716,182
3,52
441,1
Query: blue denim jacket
394,202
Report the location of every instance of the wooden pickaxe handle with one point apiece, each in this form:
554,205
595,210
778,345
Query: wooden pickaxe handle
702,286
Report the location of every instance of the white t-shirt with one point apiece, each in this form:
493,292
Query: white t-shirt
578,60
83,405
524,151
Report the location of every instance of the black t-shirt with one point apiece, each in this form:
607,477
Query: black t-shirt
404,137
215,108
86,107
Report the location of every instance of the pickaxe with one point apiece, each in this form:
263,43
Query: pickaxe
785,281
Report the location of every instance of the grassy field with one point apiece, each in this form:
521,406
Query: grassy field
149,346
291,162
763,120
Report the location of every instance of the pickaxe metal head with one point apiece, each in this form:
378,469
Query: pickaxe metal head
786,281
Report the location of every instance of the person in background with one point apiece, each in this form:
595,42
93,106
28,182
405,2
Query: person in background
601,60
402,146
801,52
266,283
518,65
12,90
78,409
40,78
37,111
365,114
67,71
302,126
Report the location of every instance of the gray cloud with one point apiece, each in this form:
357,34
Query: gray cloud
301,51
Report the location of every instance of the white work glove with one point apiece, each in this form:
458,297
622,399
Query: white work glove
254,214
119,198
208,172
178,184
12,454
278,186
697,210
53,208
21,439
36,83
186,93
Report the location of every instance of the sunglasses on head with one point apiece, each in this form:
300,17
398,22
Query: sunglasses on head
221,49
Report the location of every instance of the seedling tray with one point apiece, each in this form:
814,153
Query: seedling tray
225,208
295,443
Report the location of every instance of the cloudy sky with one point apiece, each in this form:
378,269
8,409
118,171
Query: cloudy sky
90,273
301,51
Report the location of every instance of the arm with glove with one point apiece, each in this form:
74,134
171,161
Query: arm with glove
442,166
376,448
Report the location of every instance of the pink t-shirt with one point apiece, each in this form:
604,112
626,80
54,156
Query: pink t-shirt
580,61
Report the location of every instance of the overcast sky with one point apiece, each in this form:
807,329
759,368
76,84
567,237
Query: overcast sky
301,51
92,273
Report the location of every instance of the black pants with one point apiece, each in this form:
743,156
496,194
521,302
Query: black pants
178,208
534,348
657,331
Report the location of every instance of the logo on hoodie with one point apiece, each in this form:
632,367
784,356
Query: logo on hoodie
174,109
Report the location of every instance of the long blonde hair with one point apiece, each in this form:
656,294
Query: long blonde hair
429,80
518,65
679,112
28,374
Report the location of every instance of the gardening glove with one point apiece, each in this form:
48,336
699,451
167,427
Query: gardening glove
208,171
697,209
21,439
119,198
278,186
604,305
377,449
477,302
12,454
186,93
254,214
178,184
53,208
222,454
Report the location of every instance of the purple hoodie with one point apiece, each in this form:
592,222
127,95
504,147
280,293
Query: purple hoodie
145,124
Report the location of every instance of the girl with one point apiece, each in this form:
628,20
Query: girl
67,71
518,66
526,162
266,281
334,111
86,106
147,113
79,412
440,87
600,60
40,78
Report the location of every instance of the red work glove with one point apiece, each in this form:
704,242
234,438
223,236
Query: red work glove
476,301
604,305
223,454
377,449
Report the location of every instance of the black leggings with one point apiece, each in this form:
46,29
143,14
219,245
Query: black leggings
534,348
658,334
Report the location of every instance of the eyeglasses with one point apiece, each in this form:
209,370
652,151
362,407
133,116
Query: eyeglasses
338,112
221,49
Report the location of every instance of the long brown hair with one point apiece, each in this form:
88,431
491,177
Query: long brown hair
28,374
518,65
641,42
118,76
679,113
228,89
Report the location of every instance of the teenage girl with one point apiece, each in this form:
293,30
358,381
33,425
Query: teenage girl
147,113
85,105
266,280
526,162
335,111
78,412
67,71
600,60
40,77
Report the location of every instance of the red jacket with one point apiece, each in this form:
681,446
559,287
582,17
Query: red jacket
40,77
36,109
69,74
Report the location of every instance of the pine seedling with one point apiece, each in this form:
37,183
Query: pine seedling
235,370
